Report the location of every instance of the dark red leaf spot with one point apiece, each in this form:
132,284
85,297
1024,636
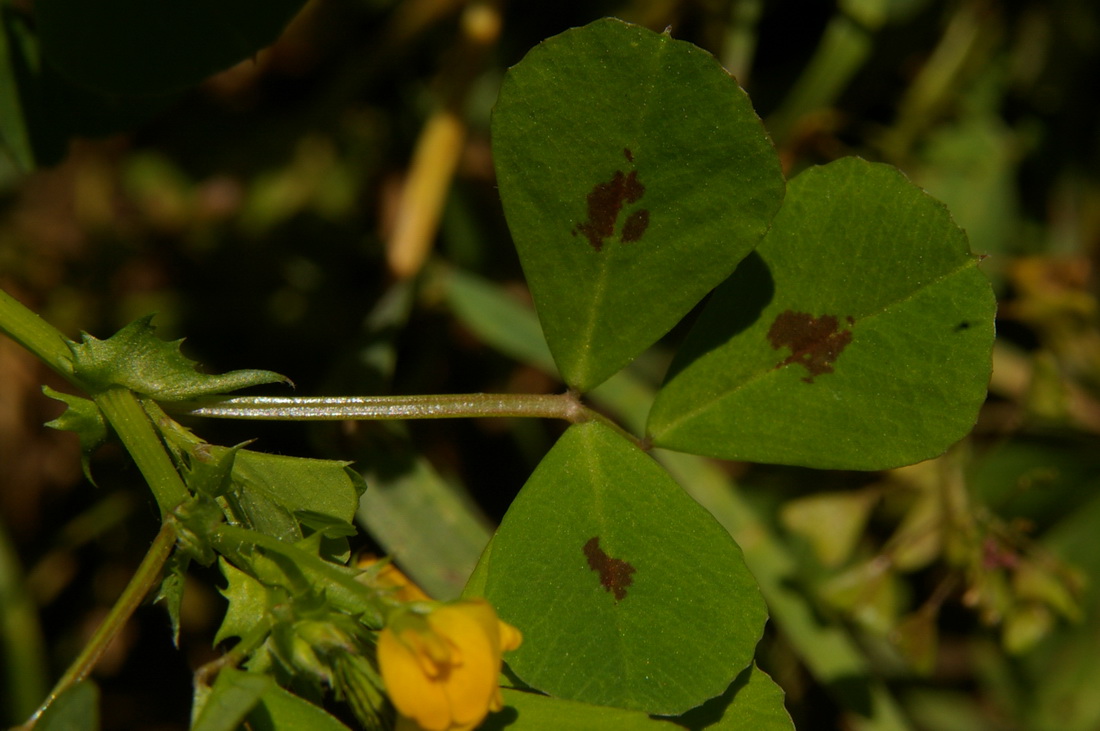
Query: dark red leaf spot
635,226
815,342
605,203
615,574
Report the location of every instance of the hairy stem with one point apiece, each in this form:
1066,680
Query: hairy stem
566,406
143,580
35,334
340,408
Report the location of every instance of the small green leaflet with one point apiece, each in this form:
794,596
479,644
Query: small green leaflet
634,175
628,593
857,336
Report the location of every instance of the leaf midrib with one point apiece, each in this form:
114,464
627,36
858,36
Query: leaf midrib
595,310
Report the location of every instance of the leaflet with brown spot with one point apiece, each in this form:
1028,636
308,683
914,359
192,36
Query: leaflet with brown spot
605,203
615,574
815,342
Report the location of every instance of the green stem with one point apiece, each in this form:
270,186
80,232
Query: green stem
35,334
144,579
129,420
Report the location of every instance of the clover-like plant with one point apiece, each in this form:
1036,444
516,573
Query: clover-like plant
843,324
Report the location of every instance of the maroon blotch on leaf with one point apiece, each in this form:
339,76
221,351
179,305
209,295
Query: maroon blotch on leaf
815,342
615,574
605,202
635,226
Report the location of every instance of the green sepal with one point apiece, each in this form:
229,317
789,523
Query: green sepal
134,358
196,521
300,571
211,469
171,591
85,419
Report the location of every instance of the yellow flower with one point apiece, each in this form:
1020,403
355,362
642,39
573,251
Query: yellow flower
441,668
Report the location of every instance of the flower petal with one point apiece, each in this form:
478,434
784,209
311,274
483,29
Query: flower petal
412,692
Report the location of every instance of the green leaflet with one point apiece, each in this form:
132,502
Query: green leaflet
234,695
274,493
239,696
753,701
858,335
634,175
536,712
629,594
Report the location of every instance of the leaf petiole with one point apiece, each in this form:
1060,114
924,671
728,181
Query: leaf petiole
566,406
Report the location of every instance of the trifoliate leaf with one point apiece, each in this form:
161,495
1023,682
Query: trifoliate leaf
136,359
84,418
269,489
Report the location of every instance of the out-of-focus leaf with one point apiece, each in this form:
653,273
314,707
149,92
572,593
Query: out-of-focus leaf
832,522
397,507
234,695
1057,673
133,48
1034,582
76,709
1025,625
916,637
280,710
496,318
869,593
18,53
